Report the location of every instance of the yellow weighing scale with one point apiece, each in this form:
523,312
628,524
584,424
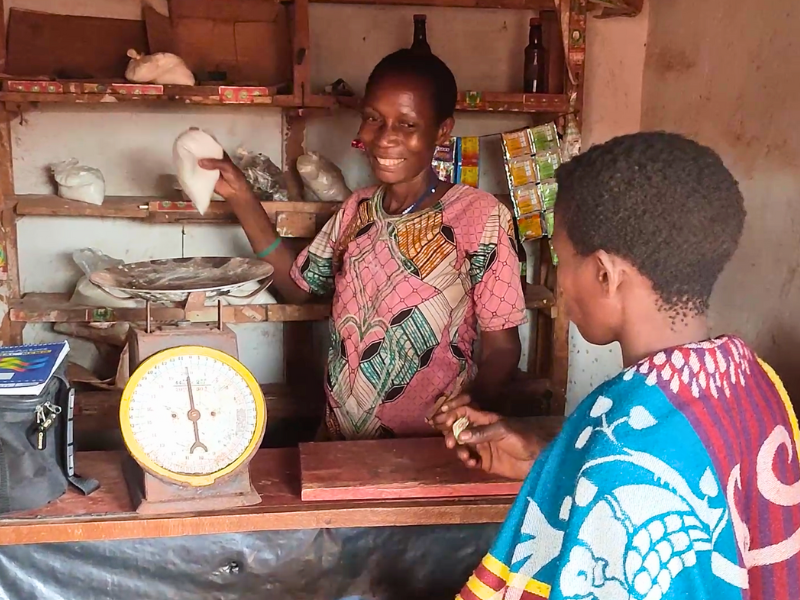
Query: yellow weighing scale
192,416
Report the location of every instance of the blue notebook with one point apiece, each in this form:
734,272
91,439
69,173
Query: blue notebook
25,370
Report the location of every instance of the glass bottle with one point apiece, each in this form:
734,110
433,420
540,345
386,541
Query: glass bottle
420,43
535,81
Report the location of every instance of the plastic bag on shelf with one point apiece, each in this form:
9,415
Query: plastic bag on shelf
197,183
162,68
322,177
264,176
90,260
79,182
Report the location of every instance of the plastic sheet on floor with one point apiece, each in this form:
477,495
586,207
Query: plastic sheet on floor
409,563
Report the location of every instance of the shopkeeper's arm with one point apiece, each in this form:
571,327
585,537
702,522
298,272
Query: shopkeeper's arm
260,231
499,356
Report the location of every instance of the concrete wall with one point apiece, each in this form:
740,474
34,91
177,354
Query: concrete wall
727,74
132,147
613,96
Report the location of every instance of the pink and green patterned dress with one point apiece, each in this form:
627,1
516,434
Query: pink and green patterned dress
409,293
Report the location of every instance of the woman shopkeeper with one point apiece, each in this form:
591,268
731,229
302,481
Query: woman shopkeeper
416,266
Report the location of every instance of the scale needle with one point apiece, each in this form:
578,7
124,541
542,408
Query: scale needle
194,416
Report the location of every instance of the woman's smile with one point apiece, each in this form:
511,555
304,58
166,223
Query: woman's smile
389,162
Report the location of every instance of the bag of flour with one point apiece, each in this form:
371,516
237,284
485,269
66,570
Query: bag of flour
79,182
162,68
197,183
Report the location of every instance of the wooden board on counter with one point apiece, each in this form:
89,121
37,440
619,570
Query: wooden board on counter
383,469
107,514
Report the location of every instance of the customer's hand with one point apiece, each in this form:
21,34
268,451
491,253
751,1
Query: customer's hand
232,184
449,405
505,447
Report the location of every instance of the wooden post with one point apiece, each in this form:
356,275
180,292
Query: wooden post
573,16
301,86
10,333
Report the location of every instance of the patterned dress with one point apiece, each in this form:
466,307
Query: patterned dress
678,479
408,295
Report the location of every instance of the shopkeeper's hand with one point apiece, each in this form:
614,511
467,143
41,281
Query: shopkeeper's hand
505,447
449,405
232,184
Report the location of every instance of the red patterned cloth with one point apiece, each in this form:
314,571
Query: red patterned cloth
409,293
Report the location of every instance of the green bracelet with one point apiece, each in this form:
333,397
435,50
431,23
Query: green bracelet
269,249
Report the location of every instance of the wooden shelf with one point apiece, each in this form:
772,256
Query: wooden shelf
72,92
56,308
107,514
292,218
498,102
507,4
538,297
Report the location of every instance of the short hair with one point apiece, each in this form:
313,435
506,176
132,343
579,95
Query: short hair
427,68
661,201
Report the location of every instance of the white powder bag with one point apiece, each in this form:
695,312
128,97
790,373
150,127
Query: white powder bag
197,183
162,68
79,182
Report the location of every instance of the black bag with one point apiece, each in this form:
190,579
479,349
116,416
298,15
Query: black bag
36,451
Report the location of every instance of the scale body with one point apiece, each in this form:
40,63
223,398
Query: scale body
158,355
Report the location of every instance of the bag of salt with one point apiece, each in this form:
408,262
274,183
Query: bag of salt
196,182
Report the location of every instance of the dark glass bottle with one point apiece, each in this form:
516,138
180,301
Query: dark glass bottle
420,43
535,80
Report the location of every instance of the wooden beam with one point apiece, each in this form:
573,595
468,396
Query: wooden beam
56,308
510,4
107,514
293,218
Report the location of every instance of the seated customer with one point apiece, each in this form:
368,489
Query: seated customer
680,477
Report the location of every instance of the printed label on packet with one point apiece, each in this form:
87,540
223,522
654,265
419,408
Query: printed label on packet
469,151
526,200
546,165
522,172
530,226
548,192
544,137
468,176
549,223
443,170
516,144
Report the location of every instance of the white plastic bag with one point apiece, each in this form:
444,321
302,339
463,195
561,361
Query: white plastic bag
162,67
197,183
79,182
323,177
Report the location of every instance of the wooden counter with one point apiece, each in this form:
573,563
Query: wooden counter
107,514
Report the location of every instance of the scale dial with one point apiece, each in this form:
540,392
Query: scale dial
192,415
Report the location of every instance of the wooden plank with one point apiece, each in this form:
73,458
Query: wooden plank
471,101
56,308
25,91
294,218
106,514
509,4
553,42
512,102
301,42
120,207
396,468
539,297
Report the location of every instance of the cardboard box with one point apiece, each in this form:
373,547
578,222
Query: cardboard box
249,39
